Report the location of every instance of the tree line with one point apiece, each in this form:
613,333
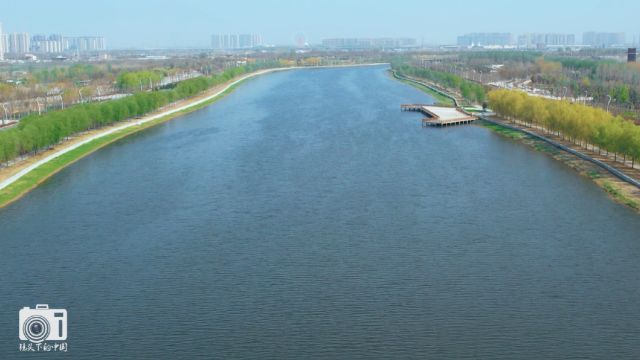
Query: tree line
585,74
70,73
39,132
468,89
134,80
581,124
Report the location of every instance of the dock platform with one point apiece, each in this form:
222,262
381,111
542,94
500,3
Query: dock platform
440,116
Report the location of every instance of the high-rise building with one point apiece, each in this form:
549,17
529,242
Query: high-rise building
235,41
245,41
18,43
53,44
537,40
485,39
1,43
4,42
84,43
217,41
58,44
603,39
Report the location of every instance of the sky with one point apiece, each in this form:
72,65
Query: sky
190,23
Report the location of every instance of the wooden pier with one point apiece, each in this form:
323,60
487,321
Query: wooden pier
440,116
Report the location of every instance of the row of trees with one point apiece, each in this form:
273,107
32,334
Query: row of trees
75,72
38,132
584,125
500,56
132,80
468,89
586,74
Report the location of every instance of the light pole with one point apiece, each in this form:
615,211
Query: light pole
80,94
6,117
38,104
609,102
586,94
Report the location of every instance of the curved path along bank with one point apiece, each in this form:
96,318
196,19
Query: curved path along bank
615,172
456,103
12,179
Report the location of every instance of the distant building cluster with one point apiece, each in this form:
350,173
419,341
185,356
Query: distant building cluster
542,40
603,39
485,39
2,47
54,44
20,43
235,41
16,43
369,43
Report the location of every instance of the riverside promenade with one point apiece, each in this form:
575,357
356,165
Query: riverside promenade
188,103
128,124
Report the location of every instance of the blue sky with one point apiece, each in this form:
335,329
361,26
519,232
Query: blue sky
189,23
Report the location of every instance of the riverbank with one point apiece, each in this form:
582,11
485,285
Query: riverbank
441,100
603,171
20,178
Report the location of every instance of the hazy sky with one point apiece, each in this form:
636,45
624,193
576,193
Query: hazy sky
189,23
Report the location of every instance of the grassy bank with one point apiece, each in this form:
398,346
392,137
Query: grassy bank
510,133
619,194
40,174
440,99
471,91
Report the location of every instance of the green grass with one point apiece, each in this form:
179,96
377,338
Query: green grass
619,196
40,174
518,135
545,147
440,99
512,134
592,174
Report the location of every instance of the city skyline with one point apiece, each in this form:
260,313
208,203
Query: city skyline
190,23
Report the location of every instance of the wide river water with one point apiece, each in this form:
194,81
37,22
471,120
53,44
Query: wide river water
303,216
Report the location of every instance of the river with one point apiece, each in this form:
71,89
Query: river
304,215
